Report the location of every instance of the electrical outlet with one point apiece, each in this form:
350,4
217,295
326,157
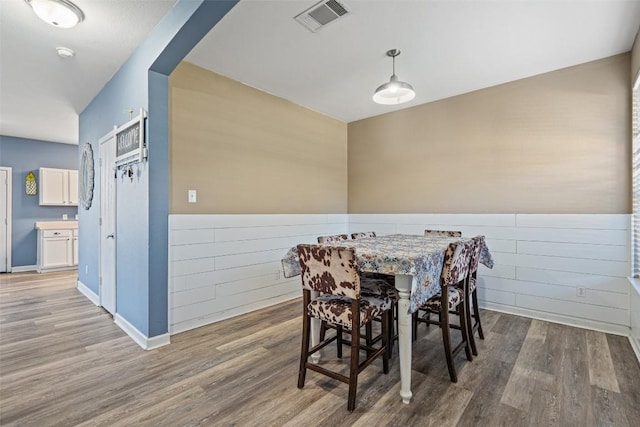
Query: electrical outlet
65,217
581,291
192,196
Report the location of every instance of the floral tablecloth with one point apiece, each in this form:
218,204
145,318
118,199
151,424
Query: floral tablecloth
419,256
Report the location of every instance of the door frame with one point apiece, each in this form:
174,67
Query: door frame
9,216
101,141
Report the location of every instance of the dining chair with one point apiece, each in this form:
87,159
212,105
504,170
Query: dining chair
473,317
453,291
324,326
363,235
334,238
442,233
390,290
370,285
333,272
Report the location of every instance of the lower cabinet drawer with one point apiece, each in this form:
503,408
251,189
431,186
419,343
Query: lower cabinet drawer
56,233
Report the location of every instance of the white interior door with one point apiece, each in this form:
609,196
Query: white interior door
108,224
5,220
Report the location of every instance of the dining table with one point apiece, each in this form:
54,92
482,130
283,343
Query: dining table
416,262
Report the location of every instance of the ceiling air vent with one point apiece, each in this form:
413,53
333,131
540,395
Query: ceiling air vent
322,13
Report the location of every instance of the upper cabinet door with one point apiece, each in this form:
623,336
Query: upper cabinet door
58,187
73,188
54,186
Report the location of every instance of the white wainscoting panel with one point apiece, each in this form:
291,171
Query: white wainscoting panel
565,268
226,265
569,269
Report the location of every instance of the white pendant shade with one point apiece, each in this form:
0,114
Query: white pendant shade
59,13
395,92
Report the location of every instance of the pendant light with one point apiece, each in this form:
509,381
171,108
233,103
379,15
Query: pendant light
395,92
59,13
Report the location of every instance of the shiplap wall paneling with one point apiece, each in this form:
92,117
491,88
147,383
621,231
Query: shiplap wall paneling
541,262
226,265
568,268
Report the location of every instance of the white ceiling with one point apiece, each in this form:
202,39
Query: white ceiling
41,95
448,47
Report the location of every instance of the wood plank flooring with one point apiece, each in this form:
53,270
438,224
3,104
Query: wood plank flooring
63,362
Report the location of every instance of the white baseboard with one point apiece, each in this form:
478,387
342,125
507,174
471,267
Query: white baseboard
595,325
91,296
23,268
141,339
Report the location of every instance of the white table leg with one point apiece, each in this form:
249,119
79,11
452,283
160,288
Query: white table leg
315,332
403,285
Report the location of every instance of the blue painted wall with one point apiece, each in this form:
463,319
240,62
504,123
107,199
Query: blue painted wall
23,156
142,205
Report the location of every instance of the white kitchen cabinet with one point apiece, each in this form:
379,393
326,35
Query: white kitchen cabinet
73,188
57,245
58,187
75,247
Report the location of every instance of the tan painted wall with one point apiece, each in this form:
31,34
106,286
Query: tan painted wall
249,152
554,143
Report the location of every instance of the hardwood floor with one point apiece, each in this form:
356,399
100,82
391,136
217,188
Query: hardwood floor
64,362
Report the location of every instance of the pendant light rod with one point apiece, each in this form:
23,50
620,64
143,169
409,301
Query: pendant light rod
393,53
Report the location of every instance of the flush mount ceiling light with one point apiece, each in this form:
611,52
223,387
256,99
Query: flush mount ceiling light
59,13
65,52
394,92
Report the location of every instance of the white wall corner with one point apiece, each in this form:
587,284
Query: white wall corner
91,296
141,339
634,302
635,345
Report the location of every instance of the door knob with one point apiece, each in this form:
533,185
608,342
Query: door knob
110,236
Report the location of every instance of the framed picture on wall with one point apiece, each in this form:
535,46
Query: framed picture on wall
130,140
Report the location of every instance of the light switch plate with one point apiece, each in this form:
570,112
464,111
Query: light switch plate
192,196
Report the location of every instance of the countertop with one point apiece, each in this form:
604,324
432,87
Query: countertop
56,225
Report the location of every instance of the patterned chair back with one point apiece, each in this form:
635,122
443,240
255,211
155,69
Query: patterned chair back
330,239
478,243
456,263
442,233
363,235
330,270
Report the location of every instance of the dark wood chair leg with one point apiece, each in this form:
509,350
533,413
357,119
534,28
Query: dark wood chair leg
386,341
476,312
414,320
304,352
339,340
355,363
469,322
368,334
389,333
446,340
323,330
462,314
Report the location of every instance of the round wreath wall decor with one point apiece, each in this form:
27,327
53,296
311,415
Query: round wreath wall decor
86,180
